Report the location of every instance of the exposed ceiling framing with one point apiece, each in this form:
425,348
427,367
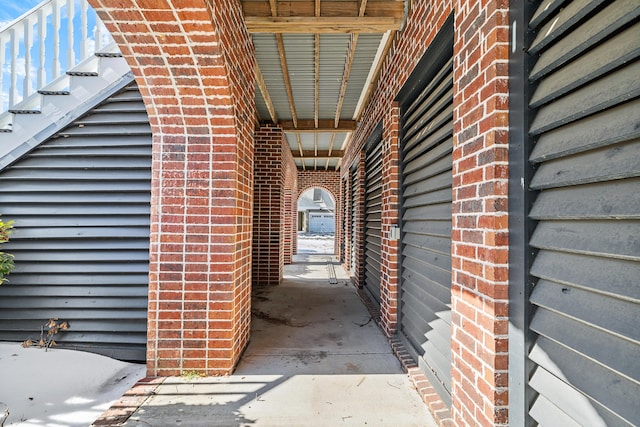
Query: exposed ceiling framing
318,62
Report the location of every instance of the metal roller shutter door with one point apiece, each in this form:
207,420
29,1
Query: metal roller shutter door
345,216
425,287
586,300
373,217
81,205
353,209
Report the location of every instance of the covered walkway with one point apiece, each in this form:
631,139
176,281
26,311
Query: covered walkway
316,358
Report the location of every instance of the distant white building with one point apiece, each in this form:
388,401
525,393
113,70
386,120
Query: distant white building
316,212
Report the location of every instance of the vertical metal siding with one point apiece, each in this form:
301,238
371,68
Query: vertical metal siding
373,217
586,133
80,202
427,144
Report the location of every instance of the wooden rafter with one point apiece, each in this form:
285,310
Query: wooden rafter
362,8
374,78
265,94
324,125
321,25
315,145
287,79
283,64
316,62
333,139
300,145
316,91
345,76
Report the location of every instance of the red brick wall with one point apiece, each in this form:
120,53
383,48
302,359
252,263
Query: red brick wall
327,180
274,182
194,66
479,220
480,233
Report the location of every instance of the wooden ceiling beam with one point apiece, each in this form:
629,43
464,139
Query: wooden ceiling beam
329,9
330,168
324,125
319,154
321,25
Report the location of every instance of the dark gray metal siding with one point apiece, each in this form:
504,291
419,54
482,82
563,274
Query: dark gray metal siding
586,151
373,216
345,216
354,224
80,202
425,287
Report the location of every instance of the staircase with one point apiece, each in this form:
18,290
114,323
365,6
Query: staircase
48,81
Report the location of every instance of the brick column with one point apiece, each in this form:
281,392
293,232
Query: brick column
390,205
290,209
269,206
194,63
480,232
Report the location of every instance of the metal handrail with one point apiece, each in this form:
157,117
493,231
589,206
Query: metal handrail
61,29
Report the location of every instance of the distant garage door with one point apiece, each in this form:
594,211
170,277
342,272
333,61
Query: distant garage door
321,222
585,145
426,182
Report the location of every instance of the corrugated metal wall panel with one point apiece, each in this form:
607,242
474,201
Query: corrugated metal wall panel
427,144
373,217
586,302
80,202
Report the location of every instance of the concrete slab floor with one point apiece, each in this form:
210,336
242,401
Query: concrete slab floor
316,358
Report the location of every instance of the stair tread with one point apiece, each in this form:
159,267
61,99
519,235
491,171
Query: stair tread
53,92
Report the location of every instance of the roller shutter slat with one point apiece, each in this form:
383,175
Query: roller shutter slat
586,298
373,215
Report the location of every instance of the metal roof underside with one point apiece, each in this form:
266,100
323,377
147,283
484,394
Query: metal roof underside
316,62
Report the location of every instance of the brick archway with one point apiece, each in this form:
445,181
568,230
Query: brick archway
194,67
329,181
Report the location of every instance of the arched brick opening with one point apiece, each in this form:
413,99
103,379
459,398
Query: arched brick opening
194,65
329,181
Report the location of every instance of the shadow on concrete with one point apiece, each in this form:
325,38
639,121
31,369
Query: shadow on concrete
316,358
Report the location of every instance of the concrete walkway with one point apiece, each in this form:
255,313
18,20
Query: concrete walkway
316,358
